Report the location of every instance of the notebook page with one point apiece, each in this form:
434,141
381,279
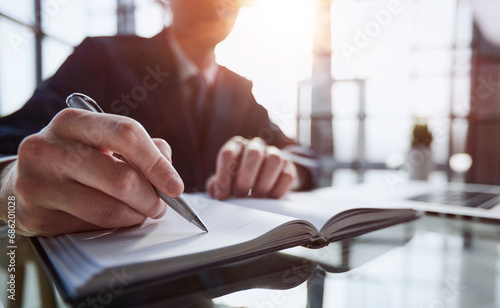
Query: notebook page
316,207
172,236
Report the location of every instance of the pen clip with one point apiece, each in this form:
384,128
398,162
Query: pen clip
82,101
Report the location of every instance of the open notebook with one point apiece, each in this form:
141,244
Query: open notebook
84,263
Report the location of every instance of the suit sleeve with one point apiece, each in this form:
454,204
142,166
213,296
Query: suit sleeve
260,125
79,73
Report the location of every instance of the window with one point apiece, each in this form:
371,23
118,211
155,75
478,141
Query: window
414,61
17,55
64,24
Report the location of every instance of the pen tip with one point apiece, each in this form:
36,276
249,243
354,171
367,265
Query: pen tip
197,222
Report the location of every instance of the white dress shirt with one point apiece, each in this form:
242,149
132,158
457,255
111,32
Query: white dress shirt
187,69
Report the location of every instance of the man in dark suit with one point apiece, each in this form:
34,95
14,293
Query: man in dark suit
65,179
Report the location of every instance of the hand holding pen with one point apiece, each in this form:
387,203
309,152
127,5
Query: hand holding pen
66,180
179,204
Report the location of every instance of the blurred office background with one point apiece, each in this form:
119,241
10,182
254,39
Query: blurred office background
347,77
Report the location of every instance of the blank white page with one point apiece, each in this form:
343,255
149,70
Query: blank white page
172,236
316,207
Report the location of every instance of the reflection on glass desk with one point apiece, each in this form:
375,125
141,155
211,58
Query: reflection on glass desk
431,262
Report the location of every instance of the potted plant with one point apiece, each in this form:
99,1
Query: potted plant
419,160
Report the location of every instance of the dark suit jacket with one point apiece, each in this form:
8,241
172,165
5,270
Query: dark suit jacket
137,77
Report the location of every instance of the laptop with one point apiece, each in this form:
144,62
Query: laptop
467,200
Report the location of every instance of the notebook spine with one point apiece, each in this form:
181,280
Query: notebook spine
317,242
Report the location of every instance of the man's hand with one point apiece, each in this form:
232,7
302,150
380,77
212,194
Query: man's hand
66,178
251,164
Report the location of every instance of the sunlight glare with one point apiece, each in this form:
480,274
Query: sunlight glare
271,45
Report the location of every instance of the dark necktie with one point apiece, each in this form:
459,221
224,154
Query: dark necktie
198,86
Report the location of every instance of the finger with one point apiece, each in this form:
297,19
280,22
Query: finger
164,148
92,206
270,171
227,167
210,186
251,161
119,180
120,135
285,181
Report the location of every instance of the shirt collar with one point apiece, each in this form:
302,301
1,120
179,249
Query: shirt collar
186,67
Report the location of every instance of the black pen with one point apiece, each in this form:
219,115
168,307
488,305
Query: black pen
180,204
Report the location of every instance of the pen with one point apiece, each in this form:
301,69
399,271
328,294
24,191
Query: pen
180,204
